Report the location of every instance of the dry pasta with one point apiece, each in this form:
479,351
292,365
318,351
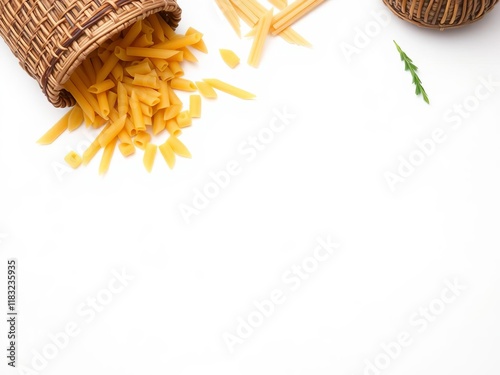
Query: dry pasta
230,58
130,89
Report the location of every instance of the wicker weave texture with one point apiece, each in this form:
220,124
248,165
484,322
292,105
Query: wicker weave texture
52,37
441,14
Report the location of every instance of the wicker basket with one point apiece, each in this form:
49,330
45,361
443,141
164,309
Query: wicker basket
52,37
440,14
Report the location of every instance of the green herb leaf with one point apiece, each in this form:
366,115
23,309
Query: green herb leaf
412,68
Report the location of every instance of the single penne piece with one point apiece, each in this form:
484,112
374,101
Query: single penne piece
80,99
111,132
75,118
188,55
142,139
229,12
107,67
140,68
179,57
159,122
172,111
176,69
132,33
112,98
184,119
90,152
174,99
101,86
149,156
160,64
229,89
145,40
230,58
164,96
122,99
55,131
178,147
137,117
107,155
260,38
102,99
168,154
173,127
130,128
117,72
200,46
150,98
178,43
151,52
146,81
73,159
166,75
206,90
182,84
195,106
126,149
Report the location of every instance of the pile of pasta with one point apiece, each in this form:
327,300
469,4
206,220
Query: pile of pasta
127,89
263,22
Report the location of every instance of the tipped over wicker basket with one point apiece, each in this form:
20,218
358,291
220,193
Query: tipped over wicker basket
440,14
52,37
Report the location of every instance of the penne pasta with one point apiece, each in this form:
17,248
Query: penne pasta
184,119
126,149
178,43
111,132
146,81
55,131
173,127
137,116
195,106
107,155
159,122
142,139
206,90
229,89
101,86
292,13
75,118
230,58
200,46
230,13
178,147
168,154
150,52
73,159
260,38
172,111
182,84
149,156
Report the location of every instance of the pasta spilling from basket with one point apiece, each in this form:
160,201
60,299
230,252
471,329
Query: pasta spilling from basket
127,89
263,22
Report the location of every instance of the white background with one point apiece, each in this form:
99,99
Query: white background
323,176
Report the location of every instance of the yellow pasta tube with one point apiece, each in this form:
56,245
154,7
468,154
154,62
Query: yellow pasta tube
200,46
107,155
167,30
142,139
176,69
73,159
146,110
148,120
55,131
126,149
137,118
293,13
75,118
88,96
182,84
144,94
102,99
111,132
230,58
168,154
117,72
177,43
90,152
229,89
172,111
141,68
164,96
107,67
130,128
260,38
160,64
206,90
101,86
83,77
112,98
280,4
184,119
173,128
159,122
121,53
124,137
178,147
188,55
122,99
89,70
146,81
145,40
166,75
151,52
149,156
132,34
195,106
174,99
